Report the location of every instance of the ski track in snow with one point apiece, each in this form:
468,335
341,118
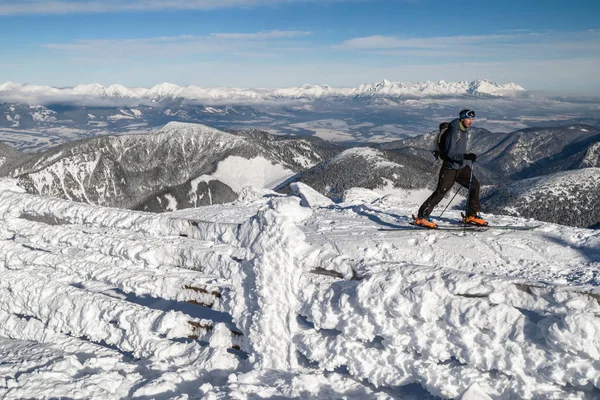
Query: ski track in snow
268,298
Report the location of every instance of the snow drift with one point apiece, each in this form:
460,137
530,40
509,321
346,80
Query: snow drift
265,297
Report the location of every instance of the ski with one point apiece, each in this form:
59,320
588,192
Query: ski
413,226
505,227
444,227
468,227
459,227
513,227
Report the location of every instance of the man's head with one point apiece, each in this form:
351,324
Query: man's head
466,117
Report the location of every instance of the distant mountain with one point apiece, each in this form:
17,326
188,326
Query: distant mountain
168,91
37,128
367,168
480,141
186,165
481,87
180,166
521,154
539,151
9,155
567,198
35,118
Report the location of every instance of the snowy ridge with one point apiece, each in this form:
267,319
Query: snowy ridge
169,91
214,309
181,165
366,153
547,197
440,88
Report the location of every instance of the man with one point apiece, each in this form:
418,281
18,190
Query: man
455,169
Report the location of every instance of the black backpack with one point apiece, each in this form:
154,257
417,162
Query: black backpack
440,140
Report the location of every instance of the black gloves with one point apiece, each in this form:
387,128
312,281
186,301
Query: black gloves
470,157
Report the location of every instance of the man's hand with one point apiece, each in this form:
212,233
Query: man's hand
470,157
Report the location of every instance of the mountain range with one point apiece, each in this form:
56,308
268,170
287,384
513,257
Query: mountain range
180,166
36,118
188,165
168,91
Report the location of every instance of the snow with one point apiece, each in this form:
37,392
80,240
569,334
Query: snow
366,153
560,184
40,113
237,172
310,197
267,298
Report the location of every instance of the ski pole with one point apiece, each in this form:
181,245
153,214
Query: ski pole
470,183
442,213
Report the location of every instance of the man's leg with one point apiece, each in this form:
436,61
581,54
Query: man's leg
462,178
445,182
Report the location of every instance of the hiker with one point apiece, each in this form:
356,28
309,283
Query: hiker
453,152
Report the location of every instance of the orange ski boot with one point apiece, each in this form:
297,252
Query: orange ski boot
475,220
425,223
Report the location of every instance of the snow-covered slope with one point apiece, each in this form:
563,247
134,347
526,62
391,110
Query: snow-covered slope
367,168
264,298
568,198
538,151
8,154
181,165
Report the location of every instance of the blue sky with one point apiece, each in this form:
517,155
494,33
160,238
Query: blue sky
542,45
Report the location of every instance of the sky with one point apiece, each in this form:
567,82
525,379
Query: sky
542,45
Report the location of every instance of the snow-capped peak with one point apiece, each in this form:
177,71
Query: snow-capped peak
9,86
440,88
484,86
119,91
163,90
175,127
93,89
27,88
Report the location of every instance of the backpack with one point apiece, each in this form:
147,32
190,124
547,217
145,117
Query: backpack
440,140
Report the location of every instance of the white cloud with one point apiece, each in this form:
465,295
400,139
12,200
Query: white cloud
275,34
548,44
377,42
229,43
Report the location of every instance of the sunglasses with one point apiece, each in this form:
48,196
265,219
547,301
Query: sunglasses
468,114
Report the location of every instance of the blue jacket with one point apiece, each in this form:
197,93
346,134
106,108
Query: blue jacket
455,146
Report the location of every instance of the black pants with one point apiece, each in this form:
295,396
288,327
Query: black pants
445,183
